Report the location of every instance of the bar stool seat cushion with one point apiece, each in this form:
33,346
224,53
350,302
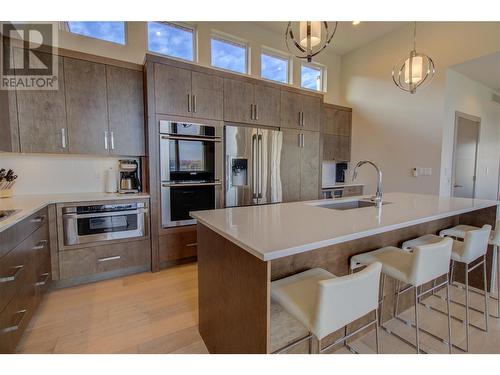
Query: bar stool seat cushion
396,263
298,293
457,252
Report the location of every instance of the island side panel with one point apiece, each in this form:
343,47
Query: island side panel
233,296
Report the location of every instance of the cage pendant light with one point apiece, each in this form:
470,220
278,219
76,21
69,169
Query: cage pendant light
415,71
309,39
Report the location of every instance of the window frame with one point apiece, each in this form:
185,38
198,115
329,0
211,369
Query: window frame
282,56
321,68
179,25
64,25
230,39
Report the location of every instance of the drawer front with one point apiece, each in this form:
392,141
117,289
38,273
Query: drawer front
15,317
178,245
13,236
19,267
350,191
93,260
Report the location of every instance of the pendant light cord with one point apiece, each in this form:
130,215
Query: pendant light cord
415,36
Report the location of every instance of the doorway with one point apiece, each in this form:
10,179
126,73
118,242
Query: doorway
467,128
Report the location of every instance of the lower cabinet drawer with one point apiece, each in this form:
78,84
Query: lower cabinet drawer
93,260
178,245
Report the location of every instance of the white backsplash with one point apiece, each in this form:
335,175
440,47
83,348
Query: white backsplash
328,174
48,174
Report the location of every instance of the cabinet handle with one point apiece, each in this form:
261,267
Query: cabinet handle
116,257
112,140
14,276
21,314
38,219
45,279
189,102
251,111
301,140
192,244
302,121
256,111
63,138
40,245
194,103
105,139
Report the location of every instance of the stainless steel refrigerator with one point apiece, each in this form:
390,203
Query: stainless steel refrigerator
252,166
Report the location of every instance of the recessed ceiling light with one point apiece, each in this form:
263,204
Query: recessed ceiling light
356,22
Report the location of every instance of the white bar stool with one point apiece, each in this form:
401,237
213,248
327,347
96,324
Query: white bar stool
325,303
459,232
470,250
426,263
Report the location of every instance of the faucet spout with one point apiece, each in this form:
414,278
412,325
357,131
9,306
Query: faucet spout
378,194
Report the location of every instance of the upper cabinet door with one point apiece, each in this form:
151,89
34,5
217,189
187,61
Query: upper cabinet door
238,101
311,112
86,107
207,95
42,118
336,121
291,109
172,90
267,101
290,165
309,166
126,111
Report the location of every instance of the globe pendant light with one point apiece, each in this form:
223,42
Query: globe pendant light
415,71
313,37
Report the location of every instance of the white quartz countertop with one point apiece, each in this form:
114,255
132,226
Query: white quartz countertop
341,185
279,230
29,204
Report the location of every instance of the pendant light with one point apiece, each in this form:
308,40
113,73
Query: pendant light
309,38
415,71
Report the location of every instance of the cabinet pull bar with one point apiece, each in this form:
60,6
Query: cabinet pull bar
194,103
45,279
38,219
105,139
21,314
189,102
112,140
116,257
192,244
40,245
14,276
256,111
303,121
63,138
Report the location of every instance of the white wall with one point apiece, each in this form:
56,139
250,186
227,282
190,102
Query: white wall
465,95
46,174
396,129
255,35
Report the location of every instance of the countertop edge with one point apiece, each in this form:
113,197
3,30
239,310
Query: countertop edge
281,253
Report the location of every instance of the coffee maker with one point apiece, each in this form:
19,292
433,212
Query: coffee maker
129,177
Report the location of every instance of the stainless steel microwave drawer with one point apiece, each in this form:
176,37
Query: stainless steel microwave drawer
98,259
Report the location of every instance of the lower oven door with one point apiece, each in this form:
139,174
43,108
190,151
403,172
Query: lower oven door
95,227
178,200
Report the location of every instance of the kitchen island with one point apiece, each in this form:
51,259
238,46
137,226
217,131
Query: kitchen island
241,250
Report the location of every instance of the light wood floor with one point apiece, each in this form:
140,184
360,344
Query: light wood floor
158,313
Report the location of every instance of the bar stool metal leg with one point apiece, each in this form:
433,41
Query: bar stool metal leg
467,328
377,339
498,280
486,314
416,321
383,276
449,314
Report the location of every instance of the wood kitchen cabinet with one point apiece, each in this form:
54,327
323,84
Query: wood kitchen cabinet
250,103
42,118
187,93
336,124
300,165
126,111
86,106
300,111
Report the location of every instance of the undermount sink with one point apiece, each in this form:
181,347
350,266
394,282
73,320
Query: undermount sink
6,213
349,205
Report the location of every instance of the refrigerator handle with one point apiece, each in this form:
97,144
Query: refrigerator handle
254,166
259,146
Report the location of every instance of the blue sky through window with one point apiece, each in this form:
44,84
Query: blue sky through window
274,68
310,78
171,40
109,31
230,56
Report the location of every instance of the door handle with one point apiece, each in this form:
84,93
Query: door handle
63,138
252,116
303,121
112,140
259,147
116,257
40,245
256,111
193,97
254,166
189,102
14,276
20,314
458,186
44,281
105,139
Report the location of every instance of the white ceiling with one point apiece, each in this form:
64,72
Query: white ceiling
485,70
348,37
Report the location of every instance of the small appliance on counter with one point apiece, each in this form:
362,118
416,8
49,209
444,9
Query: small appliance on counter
340,171
7,181
129,177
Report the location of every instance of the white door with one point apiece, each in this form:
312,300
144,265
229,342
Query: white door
465,156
